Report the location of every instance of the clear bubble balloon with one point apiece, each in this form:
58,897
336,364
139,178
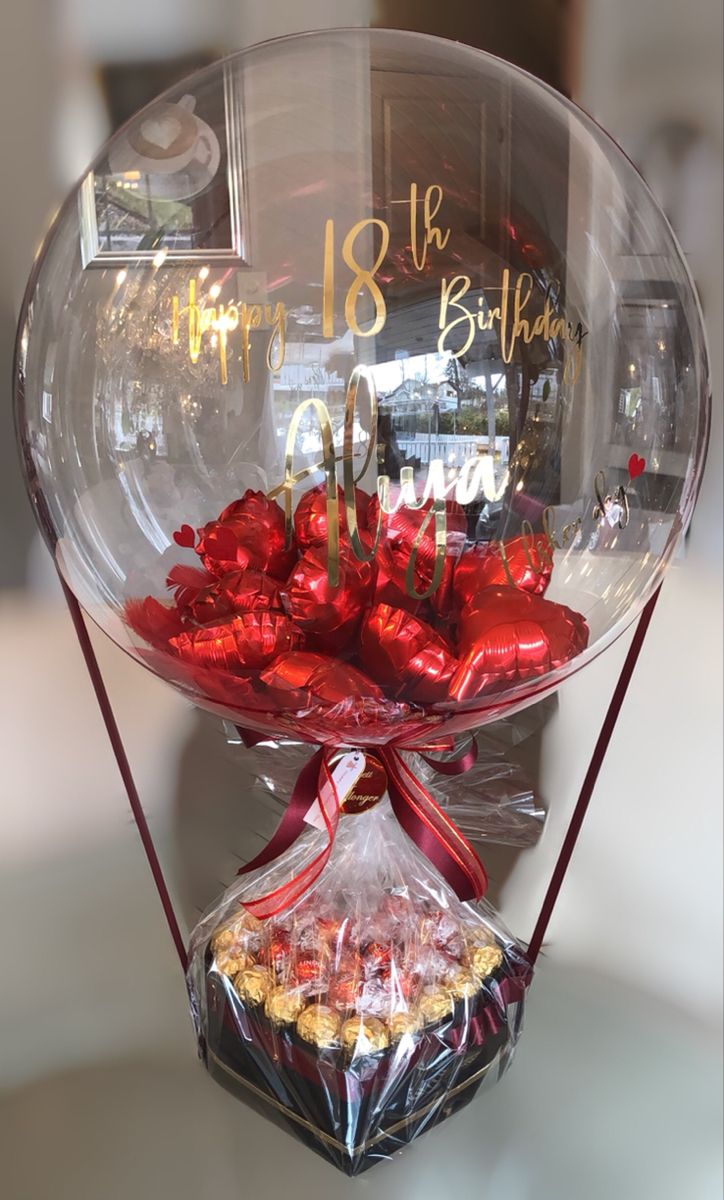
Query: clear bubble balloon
362,388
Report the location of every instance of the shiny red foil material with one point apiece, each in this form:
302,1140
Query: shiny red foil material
331,615
246,642
310,516
237,592
153,621
506,635
186,583
525,563
302,678
406,654
249,533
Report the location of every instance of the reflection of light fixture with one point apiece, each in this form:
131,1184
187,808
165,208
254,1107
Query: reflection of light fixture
204,273
661,345
159,258
121,277
632,368
214,290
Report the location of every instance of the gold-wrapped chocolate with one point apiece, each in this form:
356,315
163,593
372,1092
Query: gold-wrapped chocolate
283,1005
462,984
222,940
243,932
232,961
364,1035
478,935
435,1004
402,1023
320,1025
253,984
484,960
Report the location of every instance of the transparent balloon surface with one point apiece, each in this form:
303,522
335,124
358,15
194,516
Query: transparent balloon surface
362,388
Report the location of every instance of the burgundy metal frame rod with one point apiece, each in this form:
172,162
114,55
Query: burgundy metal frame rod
589,783
124,767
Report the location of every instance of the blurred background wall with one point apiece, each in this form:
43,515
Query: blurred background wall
643,895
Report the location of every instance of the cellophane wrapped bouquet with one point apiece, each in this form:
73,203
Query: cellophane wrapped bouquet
368,1009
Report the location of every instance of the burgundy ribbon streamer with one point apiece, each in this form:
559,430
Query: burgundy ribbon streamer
420,817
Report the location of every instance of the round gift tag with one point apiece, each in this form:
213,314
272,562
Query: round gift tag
369,787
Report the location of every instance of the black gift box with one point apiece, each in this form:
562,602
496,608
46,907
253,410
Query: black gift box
354,1112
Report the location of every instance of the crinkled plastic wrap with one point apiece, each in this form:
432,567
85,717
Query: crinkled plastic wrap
369,1011
494,801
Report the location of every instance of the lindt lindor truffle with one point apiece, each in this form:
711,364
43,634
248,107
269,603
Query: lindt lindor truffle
248,641
406,654
524,562
507,635
300,678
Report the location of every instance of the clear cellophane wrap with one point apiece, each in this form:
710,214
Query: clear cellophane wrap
369,1009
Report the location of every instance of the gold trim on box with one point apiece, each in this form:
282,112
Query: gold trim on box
326,1137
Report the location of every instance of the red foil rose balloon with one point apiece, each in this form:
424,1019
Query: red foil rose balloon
249,533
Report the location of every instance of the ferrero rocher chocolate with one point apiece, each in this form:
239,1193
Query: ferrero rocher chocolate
223,939
462,984
283,1005
364,1035
402,1023
478,935
320,1025
253,984
485,959
233,960
436,1004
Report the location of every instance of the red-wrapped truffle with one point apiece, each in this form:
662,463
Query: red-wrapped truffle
403,652
521,562
249,533
310,517
237,592
245,642
331,614
507,635
300,679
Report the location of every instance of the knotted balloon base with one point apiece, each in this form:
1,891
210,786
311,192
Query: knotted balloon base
356,1112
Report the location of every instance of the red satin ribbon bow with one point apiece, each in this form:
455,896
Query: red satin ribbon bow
421,818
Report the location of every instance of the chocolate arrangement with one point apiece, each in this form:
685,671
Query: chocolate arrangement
367,1012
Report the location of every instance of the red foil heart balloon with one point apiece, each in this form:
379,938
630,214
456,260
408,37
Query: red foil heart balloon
521,562
506,635
406,655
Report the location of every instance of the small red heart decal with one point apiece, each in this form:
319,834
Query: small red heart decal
636,466
185,536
